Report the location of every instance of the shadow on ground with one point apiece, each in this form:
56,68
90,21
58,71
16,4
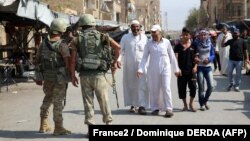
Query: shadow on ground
247,104
114,112
222,83
243,103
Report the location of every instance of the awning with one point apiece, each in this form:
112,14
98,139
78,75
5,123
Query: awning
28,12
32,12
9,6
35,10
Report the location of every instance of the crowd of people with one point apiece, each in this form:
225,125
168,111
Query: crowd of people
197,57
92,53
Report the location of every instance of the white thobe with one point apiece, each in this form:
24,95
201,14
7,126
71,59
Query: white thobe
161,59
223,52
134,89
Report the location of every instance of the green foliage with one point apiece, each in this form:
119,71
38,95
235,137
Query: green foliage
197,19
192,20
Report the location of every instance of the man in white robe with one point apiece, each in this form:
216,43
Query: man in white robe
223,51
162,59
134,89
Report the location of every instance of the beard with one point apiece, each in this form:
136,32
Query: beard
235,37
135,31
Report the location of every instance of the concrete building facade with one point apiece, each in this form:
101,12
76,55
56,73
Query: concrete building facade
226,10
120,11
100,9
148,12
210,7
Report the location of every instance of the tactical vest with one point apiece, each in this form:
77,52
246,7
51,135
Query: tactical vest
51,60
94,52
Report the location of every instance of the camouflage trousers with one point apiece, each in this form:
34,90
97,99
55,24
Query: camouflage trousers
54,94
95,84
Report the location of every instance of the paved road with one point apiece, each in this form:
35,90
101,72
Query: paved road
19,110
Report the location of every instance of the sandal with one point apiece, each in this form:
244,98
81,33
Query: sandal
192,109
155,112
132,109
184,109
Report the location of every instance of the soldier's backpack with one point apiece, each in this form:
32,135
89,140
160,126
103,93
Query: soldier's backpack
94,51
52,64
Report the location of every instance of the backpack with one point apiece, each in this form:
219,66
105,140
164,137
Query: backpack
94,51
52,64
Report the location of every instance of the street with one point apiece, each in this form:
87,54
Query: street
20,109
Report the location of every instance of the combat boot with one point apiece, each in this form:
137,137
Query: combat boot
44,126
60,130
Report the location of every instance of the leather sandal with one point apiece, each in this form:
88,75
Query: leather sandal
132,109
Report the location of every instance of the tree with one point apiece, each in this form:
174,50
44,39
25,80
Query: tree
196,19
192,20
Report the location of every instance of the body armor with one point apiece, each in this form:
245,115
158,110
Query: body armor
52,65
94,52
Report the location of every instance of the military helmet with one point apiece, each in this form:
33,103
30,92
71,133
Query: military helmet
58,25
87,19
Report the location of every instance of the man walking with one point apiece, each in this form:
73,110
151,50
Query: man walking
223,52
134,90
159,71
52,61
93,61
237,52
185,54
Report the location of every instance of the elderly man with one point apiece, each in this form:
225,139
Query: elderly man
159,71
134,89
223,52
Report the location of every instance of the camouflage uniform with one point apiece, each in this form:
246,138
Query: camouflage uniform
91,55
52,68
90,84
55,92
94,82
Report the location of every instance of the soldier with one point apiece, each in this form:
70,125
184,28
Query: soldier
69,34
93,61
52,63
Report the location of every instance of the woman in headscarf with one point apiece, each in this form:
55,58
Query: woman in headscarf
204,59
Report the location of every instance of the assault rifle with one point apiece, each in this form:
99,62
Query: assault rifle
113,85
114,88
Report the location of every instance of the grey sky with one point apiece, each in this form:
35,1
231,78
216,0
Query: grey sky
177,12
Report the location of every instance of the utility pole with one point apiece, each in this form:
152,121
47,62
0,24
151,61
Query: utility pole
166,21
